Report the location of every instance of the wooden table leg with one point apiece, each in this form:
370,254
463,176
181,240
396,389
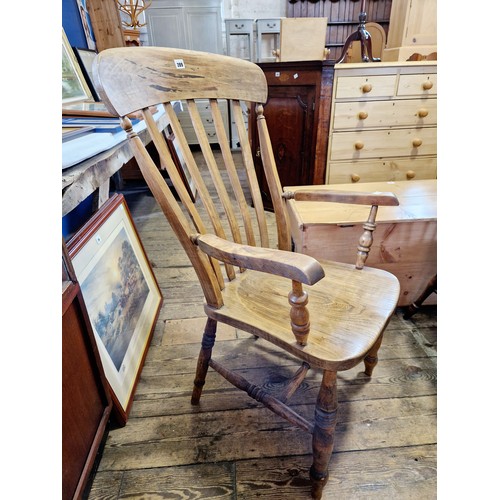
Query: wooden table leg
415,306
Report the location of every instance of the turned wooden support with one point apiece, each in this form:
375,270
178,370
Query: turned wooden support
366,240
325,418
293,383
207,344
299,315
371,359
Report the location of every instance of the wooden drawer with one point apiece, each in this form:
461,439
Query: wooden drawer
239,26
394,169
365,86
386,114
358,145
417,85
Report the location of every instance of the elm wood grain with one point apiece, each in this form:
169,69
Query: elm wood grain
407,368
347,310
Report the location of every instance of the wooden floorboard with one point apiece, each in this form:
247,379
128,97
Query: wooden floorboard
230,447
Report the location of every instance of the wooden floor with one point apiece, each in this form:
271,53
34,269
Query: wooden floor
232,448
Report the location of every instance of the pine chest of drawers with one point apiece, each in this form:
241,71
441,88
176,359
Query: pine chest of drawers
383,124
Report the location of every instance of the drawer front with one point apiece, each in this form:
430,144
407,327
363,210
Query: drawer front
365,86
369,114
236,26
383,143
268,25
394,169
417,85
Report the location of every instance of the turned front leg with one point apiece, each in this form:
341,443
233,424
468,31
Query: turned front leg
371,359
207,344
325,418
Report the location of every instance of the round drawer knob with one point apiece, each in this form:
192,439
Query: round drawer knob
422,113
367,87
416,143
359,145
355,177
410,174
362,115
427,85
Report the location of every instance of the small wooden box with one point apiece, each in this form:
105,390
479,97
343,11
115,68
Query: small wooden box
405,240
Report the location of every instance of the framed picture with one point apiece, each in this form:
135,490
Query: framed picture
86,24
121,295
74,85
179,161
85,58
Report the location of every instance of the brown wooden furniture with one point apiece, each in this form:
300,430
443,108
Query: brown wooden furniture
86,403
405,243
383,124
415,306
412,31
297,114
106,23
328,315
302,39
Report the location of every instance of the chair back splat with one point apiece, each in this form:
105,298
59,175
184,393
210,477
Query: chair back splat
330,316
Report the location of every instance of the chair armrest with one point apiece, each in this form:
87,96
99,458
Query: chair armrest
329,195
295,266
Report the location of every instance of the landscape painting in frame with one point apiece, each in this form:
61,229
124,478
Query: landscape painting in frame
120,292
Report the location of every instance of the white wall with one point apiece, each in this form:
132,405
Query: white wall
254,9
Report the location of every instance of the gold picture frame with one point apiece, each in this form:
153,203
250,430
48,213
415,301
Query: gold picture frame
121,295
74,86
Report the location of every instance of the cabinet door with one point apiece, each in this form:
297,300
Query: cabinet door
289,114
203,29
166,28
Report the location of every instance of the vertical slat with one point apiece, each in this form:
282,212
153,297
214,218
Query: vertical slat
169,165
273,181
215,174
176,217
195,174
231,171
250,171
213,168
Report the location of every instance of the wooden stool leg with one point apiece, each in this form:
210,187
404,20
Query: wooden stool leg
371,359
415,306
203,359
322,443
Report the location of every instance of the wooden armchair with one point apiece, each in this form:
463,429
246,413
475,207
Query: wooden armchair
329,315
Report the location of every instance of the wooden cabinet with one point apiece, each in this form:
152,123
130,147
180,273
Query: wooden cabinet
384,123
297,113
186,24
413,29
106,24
86,404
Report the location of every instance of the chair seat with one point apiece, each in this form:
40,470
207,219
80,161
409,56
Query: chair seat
349,308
